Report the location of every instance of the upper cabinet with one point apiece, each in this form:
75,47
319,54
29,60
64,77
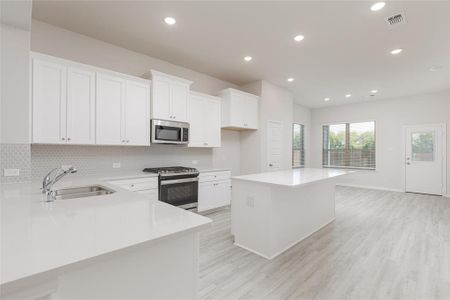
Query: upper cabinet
123,115
204,120
170,97
63,104
78,104
239,109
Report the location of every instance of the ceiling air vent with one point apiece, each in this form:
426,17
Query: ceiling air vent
395,20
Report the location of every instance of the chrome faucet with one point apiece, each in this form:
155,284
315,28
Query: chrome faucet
53,177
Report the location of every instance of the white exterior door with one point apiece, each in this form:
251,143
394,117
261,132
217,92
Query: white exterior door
424,159
274,145
110,95
49,102
80,106
137,114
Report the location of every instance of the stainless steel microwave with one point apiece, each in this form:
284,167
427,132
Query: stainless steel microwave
169,132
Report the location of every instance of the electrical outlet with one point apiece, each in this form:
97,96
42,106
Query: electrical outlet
250,201
11,172
116,165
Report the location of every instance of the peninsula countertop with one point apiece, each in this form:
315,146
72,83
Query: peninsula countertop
294,177
37,236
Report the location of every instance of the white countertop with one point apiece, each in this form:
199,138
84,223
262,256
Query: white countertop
294,177
38,236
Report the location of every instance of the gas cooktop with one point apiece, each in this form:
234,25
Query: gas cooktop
171,170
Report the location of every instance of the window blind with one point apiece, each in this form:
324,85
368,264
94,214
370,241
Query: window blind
349,145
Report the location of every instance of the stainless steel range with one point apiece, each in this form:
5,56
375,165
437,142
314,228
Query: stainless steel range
177,186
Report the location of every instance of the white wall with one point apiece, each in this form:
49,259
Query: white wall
390,116
302,115
15,108
52,40
276,104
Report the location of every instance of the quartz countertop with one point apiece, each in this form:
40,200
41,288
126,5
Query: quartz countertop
37,236
294,177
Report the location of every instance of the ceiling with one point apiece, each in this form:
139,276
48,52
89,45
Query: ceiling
346,49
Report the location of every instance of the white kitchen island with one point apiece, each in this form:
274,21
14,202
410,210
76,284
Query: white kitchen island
271,212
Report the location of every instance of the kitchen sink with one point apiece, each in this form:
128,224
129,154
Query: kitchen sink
81,192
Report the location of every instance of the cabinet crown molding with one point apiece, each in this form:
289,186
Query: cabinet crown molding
235,91
154,73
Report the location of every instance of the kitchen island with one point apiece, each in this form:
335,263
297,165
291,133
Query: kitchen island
271,212
122,245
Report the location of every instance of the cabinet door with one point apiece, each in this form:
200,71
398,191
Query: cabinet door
250,106
196,121
211,112
205,196
180,102
160,99
137,114
80,106
110,95
237,110
222,192
49,102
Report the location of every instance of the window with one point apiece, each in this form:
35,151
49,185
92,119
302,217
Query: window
298,145
349,145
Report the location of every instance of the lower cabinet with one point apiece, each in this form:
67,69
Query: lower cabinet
214,190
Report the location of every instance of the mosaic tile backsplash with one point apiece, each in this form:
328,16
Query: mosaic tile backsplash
15,156
93,160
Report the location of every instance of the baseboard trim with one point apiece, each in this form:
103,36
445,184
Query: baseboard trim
370,187
287,247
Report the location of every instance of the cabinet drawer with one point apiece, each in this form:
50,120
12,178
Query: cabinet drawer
137,184
151,194
214,176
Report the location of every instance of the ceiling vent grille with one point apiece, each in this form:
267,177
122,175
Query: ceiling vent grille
395,20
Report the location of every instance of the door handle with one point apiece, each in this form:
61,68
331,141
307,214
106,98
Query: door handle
408,163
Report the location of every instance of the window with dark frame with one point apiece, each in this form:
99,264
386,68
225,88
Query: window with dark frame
298,145
349,145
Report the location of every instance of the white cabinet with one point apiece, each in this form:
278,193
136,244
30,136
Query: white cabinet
214,190
147,187
170,97
137,113
123,116
239,109
63,104
110,98
80,106
204,120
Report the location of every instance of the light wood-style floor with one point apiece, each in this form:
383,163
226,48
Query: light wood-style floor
382,245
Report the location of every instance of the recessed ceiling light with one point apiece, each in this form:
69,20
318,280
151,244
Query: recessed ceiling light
327,99
170,20
396,51
374,91
348,95
248,58
377,6
290,79
299,38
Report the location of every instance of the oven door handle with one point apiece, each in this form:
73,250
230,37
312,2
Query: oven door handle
175,181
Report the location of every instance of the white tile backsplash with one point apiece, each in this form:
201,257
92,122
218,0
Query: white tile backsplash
93,160
15,156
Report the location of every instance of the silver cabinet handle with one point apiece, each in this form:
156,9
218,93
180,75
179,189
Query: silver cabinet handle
128,141
123,141
270,165
408,163
63,139
68,139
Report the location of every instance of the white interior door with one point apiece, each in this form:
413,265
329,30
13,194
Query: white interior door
274,145
424,149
